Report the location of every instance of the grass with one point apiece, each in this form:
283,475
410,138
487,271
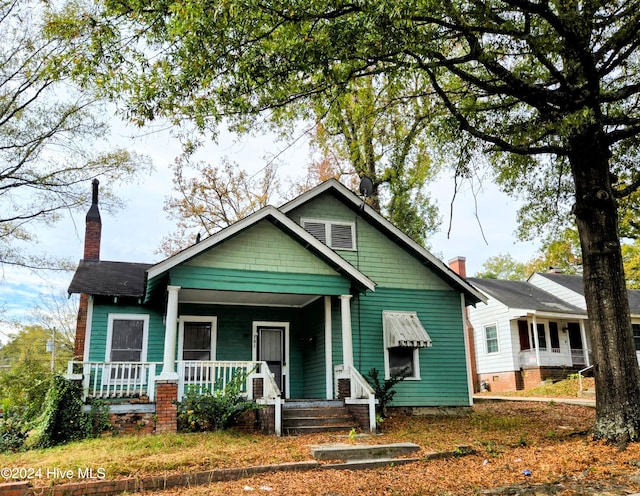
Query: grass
567,388
492,445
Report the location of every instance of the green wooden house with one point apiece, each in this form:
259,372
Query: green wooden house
306,298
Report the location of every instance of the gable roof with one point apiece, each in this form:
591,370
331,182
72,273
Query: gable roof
525,296
283,222
574,283
109,278
350,199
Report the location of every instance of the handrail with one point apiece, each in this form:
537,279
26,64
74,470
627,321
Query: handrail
271,391
580,377
359,389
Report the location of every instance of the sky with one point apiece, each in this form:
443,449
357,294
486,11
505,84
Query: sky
134,233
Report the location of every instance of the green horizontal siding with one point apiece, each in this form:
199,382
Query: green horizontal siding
263,247
442,367
377,256
99,324
259,281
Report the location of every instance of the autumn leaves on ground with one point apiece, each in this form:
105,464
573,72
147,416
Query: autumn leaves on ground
507,440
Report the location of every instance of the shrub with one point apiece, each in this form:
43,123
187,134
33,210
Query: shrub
12,433
63,420
202,410
384,389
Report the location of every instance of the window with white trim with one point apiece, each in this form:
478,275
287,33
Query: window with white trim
491,338
636,336
403,336
403,358
127,338
336,235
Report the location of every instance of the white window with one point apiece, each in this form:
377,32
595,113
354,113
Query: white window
336,235
403,335
491,338
197,338
127,337
403,358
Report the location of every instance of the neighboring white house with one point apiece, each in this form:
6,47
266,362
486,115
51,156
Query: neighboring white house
524,335
532,331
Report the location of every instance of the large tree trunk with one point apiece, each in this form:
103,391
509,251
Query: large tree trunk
616,368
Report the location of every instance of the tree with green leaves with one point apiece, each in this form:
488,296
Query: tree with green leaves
504,267
372,128
49,136
546,90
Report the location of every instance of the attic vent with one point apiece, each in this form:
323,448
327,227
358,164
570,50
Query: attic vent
337,235
342,236
317,230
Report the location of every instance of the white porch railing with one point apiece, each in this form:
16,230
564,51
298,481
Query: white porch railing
105,380
214,375
360,390
578,357
549,357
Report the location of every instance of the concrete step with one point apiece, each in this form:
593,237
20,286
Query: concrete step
314,412
366,464
315,429
362,451
343,419
313,416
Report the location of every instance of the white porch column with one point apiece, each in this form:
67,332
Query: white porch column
535,339
347,343
585,343
170,336
328,348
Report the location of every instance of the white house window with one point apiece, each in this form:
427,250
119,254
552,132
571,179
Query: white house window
127,338
636,335
403,335
197,338
491,338
336,235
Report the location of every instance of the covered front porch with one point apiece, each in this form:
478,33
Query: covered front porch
284,345
548,340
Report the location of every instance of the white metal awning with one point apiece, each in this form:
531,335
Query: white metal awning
404,329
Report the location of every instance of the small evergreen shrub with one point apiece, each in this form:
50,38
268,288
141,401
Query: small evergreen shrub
384,389
202,410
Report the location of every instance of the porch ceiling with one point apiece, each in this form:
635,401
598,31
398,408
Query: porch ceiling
208,296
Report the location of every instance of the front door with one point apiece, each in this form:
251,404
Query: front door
271,349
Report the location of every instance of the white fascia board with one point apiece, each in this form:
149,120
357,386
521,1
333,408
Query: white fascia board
358,203
522,313
248,221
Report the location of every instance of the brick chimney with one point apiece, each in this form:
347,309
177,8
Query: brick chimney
93,226
459,266
92,237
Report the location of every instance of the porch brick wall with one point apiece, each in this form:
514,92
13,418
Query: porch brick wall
166,408
267,419
361,415
344,388
258,388
133,423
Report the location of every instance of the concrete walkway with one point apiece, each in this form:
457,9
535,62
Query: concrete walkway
566,401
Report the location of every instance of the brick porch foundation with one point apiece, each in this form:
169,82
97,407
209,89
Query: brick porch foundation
166,408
